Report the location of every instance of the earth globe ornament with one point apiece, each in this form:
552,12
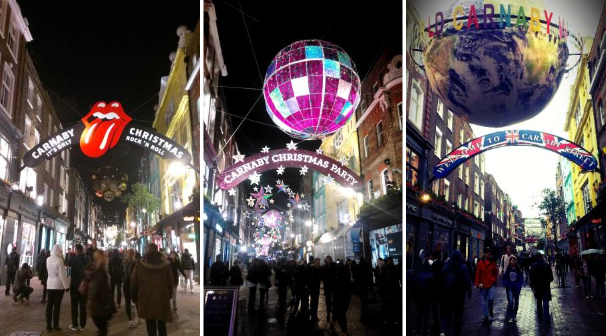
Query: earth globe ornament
311,89
497,72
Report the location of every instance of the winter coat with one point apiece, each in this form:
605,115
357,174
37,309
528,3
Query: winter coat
175,269
187,262
42,271
21,278
363,276
423,283
343,285
513,278
301,278
217,274
258,273
78,265
540,278
599,270
504,263
41,261
12,262
151,288
99,299
314,279
283,277
128,269
486,273
235,276
455,277
329,274
57,274
116,268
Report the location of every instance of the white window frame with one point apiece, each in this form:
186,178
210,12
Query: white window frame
399,109
383,184
482,212
447,190
448,147
30,92
415,108
27,130
467,175
476,208
482,189
460,172
482,163
3,17
366,146
10,87
438,143
6,156
440,109
460,201
435,186
476,184
17,35
379,126
369,189
450,120
38,109
461,136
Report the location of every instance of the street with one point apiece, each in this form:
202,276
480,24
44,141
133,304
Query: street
571,314
18,318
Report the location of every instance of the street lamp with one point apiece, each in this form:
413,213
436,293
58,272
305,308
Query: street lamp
176,168
40,200
133,224
144,210
308,223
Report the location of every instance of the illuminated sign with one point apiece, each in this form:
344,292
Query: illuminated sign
188,218
102,129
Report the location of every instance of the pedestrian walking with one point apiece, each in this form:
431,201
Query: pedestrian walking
561,272
189,265
329,274
382,275
363,280
437,294
12,266
99,296
235,276
77,265
301,278
151,288
116,274
599,273
456,283
57,284
129,266
586,268
342,296
486,277
217,272
513,281
20,288
527,263
578,271
264,282
314,288
505,261
43,272
283,280
540,278
175,267
421,289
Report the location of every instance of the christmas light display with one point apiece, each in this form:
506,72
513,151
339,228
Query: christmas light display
272,218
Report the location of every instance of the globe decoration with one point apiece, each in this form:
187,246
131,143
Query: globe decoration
495,76
272,218
109,183
311,89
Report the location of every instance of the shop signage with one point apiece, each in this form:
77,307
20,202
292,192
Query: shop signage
219,228
477,234
464,227
596,221
188,218
49,222
283,158
412,208
441,219
102,129
24,208
220,310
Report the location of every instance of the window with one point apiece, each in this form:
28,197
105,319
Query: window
466,203
482,212
366,146
36,137
30,93
3,12
38,107
586,198
467,175
460,201
28,180
476,184
4,158
369,189
51,201
415,113
386,180
62,176
476,209
476,160
438,143
446,190
435,186
482,189
461,172
440,109
449,120
412,167
578,115
6,92
602,110
379,129
342,211
27,131
400,115
13,39
338,139
482,164
50,124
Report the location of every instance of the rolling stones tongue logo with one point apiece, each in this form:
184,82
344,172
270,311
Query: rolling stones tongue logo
104,126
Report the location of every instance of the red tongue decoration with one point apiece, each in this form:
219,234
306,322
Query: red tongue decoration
103,129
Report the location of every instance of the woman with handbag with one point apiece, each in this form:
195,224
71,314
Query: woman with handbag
100,303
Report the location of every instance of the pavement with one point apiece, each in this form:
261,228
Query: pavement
571,314
30,316
276,321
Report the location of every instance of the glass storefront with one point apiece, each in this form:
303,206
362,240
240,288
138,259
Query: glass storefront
43,235
411,235
28,237
187,240
386,242
1,229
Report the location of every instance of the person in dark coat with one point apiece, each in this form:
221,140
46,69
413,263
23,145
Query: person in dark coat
12,266
540,278
599,273
329,274
301,283
283,280
363,280
258,275
116,274
20,288
77,264
436,295
235,276
314,288
100,301
217,272
421,291
189,265
175,268
129,265
151,287
43,272
342,295
456,283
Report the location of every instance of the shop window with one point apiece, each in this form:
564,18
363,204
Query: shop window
415,113
412,167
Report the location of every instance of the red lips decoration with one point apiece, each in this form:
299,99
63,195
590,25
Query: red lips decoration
104,126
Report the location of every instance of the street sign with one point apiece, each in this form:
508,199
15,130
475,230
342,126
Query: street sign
220,308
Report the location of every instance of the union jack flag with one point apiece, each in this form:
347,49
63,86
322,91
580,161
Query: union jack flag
512,136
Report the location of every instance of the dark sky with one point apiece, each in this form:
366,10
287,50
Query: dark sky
360,28
90,51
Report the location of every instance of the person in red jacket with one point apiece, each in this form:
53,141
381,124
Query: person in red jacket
486,277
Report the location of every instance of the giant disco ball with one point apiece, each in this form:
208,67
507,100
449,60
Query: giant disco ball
495,76
272,218
311,89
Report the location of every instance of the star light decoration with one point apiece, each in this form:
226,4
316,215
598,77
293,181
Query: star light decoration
280,170
247,214
254,178
342,160
239,157
271,201
231,192
303,170
251,201
279,182
256,189
265,149
291,145
268,189
261,198
306,207
282,187
319,151
328,179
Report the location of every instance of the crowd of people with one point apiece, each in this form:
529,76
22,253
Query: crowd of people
339,280
98,280
440,288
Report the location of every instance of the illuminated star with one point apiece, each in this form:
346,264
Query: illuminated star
291,218
328,179
239,157
302,195
291,194
303,170
232,192
251,201
289,212
280,170
247,214
256,189
292,145
306,207
271,201
254,178
278,182
268,189
288,190
288,205
342,160
282,187
265,149
319,151
262,206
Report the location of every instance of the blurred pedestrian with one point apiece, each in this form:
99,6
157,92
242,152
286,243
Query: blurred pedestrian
505,260
77,264
12,266
264,282
151,288
513,281
188,264
363,280
314,288
456,283
586,267
301,278
578,271
43,272
561,271
235,276
283,279
486,277
540,278
599,272
329,274
217,272
129,266
57,284
100,302
421,292
20,288
342,296
437,294
116,274
175,268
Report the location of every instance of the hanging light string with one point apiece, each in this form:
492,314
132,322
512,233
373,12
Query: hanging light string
250,41
255,20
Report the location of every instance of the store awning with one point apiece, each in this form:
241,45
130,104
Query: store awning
188,214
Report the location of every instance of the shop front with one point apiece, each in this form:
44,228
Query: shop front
380,229
461,241
46,232
60,238
413,221
441,226
26,216
6,237
478,236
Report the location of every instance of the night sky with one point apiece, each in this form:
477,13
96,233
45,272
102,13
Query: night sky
361,29
90,51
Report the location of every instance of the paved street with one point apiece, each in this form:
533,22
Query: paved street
571,314
30,316
276,322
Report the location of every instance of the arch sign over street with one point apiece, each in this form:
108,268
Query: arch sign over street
566,148
282,158
102,129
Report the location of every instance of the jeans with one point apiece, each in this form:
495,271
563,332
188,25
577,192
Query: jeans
189,278
53,307
156,328
513,300
101,324
452,309
10,278
116,284
303,298
24,291
127,299
543,310
587,285
487,300
78,304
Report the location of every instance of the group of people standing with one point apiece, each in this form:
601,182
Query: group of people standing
92,277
